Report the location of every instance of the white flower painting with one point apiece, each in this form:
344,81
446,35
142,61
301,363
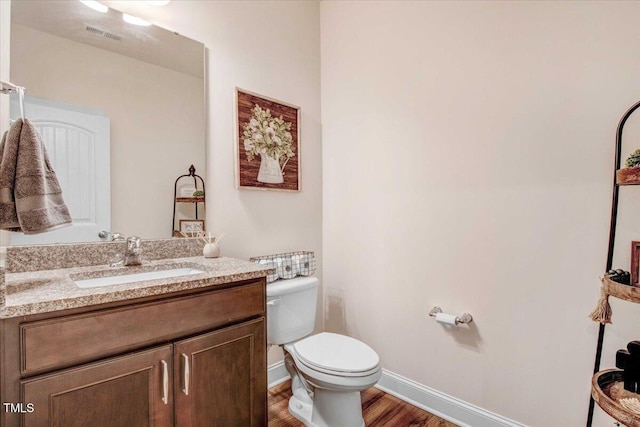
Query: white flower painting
268,143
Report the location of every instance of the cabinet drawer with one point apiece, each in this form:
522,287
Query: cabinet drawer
66,341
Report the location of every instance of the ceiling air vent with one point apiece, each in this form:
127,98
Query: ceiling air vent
102,33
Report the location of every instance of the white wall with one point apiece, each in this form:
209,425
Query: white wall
468,150
270,48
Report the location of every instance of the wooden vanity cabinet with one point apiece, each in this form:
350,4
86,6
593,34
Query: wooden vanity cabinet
120,391
205,366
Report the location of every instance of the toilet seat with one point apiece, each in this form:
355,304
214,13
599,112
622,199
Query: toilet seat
335,354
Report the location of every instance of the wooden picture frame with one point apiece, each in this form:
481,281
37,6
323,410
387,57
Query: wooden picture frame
635,262
191,227
267,143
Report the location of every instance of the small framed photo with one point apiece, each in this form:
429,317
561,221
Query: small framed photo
635,262
191,227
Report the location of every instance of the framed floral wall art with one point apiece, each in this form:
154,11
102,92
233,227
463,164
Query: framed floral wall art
267,143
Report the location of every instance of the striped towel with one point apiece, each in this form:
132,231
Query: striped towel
30,195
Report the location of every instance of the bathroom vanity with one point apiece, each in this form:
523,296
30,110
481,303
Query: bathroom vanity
181,351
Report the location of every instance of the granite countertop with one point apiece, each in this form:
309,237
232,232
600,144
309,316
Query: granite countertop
51,290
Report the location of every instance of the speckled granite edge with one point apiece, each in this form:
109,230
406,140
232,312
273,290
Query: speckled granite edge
53,290
67,255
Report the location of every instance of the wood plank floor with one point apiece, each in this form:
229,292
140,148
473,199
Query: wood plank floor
379,409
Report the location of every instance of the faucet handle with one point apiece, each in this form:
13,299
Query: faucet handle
133,243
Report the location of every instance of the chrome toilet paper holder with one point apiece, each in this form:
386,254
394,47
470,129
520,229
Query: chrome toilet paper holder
463,318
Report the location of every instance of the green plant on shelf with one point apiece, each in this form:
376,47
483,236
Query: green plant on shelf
634,159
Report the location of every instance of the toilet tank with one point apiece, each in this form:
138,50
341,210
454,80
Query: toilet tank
291,309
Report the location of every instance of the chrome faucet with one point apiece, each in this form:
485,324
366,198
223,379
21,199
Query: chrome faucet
132,253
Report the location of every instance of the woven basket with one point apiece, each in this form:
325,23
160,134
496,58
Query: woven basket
288,265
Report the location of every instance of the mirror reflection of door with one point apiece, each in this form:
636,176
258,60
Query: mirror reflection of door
77,140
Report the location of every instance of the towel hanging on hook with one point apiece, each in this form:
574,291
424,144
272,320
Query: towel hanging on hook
30,194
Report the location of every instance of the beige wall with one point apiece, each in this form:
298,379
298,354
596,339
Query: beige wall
468,150
157,122
467,153
271,48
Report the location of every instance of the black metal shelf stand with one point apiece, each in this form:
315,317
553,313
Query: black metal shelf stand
195,201
612,239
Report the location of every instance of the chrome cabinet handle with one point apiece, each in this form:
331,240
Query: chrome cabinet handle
165,383
185,389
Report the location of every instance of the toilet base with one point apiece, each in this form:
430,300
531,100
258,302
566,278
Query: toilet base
329,409
301,410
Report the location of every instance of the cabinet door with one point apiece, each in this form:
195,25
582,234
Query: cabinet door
221,378
131,390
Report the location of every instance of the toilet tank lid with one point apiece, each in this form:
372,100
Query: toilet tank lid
284,287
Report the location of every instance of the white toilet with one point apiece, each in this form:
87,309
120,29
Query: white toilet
328,371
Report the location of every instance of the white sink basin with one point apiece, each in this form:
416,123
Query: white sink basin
136,277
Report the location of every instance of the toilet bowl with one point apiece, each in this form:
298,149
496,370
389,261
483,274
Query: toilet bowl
337,368
328,371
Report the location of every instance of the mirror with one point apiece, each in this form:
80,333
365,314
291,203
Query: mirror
146,87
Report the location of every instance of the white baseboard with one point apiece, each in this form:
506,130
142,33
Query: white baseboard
276,374
444,406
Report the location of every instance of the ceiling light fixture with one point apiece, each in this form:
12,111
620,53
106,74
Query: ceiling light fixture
158,2
99,7
135,20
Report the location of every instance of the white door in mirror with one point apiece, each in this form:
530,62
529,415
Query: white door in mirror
77,141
